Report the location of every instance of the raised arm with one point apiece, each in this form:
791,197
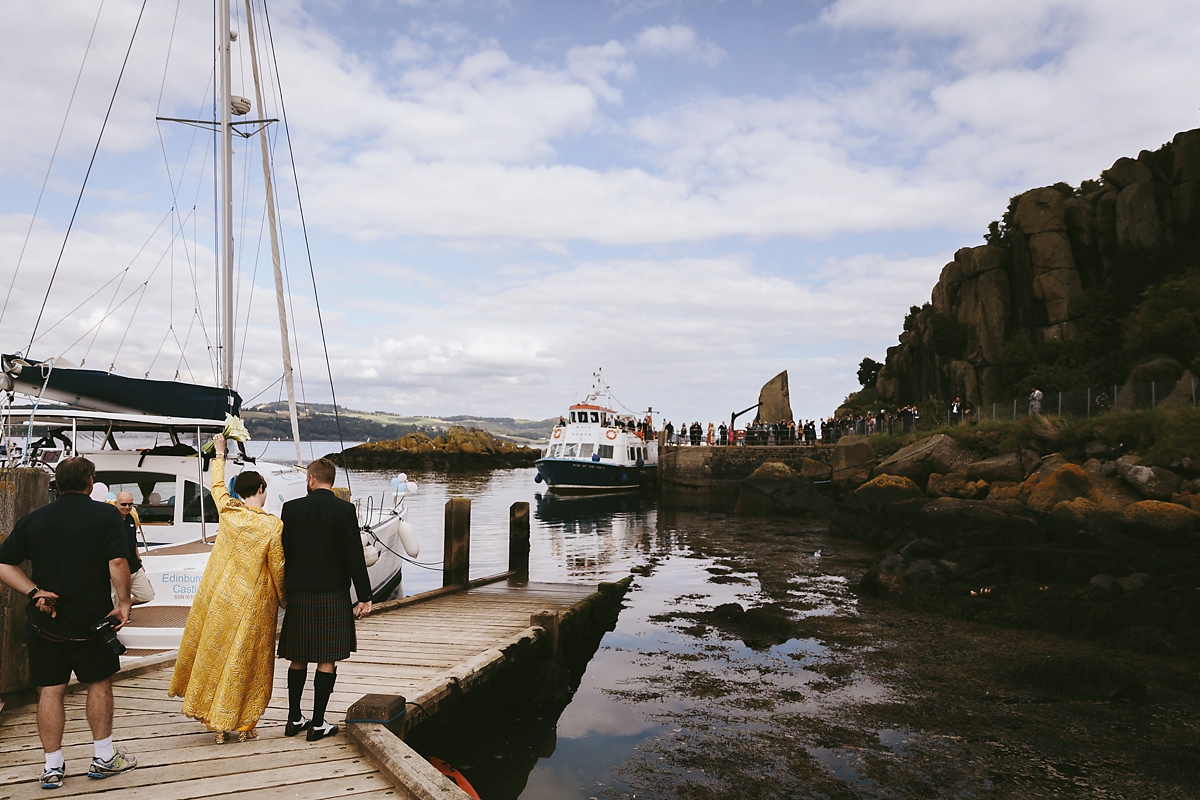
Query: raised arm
220,491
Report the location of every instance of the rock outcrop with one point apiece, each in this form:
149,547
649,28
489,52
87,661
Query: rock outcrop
1139,224
775,403
457,447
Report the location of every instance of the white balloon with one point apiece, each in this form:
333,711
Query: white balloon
99,491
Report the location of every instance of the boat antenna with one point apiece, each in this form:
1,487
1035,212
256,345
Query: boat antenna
91,163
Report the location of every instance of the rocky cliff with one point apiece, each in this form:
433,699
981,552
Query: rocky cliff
1054,283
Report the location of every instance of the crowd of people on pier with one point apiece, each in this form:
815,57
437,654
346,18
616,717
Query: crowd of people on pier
796,432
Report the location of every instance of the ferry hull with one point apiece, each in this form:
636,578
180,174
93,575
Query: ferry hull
567,475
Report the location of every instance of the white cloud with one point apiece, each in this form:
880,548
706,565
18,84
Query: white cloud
680,41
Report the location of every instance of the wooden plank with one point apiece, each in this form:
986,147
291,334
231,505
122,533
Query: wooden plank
410,650
185,782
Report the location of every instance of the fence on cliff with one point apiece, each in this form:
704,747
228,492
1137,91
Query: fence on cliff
1090,401
1093,401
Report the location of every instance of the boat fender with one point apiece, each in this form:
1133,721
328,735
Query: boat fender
408,538
537,478
624,477
455,776
641,463
611,433
595,456
370,551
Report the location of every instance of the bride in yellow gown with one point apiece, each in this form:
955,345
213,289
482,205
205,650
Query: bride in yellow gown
226,661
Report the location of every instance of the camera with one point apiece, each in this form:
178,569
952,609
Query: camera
105,630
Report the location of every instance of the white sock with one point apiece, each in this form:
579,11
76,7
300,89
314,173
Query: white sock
104,749
55,760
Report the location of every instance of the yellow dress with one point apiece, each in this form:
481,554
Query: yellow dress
226,659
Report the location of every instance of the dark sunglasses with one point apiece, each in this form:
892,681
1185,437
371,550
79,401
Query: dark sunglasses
124,505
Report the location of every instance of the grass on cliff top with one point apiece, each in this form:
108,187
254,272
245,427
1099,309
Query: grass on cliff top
1160,437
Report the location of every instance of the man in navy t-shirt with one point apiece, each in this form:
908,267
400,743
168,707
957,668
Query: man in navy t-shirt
78,549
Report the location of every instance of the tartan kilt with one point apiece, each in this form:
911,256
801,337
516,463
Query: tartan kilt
318,627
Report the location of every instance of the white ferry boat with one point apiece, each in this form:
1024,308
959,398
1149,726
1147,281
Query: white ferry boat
597,449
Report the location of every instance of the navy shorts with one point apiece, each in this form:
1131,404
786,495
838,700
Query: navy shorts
51,663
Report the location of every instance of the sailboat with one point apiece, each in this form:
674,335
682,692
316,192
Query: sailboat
61,403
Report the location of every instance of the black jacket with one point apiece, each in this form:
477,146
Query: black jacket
322,549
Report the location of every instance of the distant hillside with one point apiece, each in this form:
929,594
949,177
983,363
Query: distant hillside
270,421
1075,287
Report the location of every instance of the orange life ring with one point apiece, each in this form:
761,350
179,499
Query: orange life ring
610,433
557,432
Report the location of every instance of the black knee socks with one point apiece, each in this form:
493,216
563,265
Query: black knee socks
322,688
296,680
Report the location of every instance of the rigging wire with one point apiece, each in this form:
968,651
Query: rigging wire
287,275
307,246
124,274
141,287
250,303
50,166
91,163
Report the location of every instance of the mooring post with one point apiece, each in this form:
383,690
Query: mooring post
456,562
382,709
547,621
21,491
518,540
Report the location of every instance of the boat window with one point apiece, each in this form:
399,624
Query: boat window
595,416
605,450
153,494
585,450
572,450
640,452
191,504
631,454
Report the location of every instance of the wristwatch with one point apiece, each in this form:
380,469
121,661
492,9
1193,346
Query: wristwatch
32,592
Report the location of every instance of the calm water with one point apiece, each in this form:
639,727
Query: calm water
622,717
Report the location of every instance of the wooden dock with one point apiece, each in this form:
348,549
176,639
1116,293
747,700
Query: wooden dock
423,652
414,649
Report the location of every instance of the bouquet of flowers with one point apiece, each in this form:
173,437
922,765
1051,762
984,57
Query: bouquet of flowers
235,430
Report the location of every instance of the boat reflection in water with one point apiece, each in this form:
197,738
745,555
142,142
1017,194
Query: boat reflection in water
593,534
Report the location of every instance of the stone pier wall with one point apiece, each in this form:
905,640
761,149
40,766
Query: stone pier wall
710,478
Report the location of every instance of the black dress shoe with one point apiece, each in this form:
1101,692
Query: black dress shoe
292,728
317,732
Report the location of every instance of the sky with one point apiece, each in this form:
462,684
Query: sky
502,196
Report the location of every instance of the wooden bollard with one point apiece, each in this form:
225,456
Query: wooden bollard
456,563
518,540
384,709
21,491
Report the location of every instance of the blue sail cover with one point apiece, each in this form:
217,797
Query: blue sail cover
100,391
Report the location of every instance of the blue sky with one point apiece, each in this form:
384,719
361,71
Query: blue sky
503,196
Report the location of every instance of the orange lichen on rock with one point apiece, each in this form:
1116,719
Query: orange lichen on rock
1065,483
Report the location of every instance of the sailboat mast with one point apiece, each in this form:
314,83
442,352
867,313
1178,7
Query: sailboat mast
226,227
275,261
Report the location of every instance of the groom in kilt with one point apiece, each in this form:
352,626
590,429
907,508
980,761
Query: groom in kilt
323,554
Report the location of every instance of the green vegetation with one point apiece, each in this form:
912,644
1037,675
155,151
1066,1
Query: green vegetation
1160,437
868,371
317,423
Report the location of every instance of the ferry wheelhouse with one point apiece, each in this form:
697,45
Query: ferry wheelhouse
597,449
